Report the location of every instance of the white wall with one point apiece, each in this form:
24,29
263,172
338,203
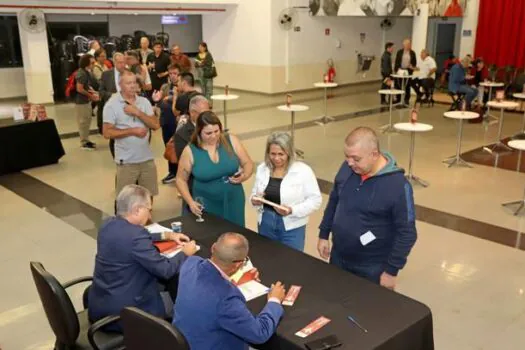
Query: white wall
241,34
311,45
470,22
13,82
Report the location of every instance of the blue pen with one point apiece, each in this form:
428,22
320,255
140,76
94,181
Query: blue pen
351,319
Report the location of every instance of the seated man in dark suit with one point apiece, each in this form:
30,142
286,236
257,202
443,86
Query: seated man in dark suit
127,265
210,310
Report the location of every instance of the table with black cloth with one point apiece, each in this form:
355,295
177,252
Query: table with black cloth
27,144
393,321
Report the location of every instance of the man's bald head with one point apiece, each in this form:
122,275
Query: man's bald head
230,248
363,137
362,150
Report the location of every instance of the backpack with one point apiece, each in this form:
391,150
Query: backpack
71,86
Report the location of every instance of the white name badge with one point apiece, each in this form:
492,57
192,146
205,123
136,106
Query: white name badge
367,238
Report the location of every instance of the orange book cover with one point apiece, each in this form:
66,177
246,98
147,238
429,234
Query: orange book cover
167,246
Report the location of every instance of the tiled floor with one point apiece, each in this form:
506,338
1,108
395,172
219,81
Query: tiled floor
474,286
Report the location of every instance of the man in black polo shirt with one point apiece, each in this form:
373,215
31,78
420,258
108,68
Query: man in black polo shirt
187,91
158,63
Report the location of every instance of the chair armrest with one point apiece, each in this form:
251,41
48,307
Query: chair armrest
77,281
95,327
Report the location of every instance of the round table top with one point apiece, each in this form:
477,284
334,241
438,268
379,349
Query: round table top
491,84
391,92
401,76
503,104
517,144
519,95
414,127
325,85
293,108
461,115
224,97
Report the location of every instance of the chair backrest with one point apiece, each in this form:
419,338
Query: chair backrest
145,331
59,310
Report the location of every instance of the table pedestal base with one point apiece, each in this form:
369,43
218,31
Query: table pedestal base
324,120
511,204
456,161
413,179
500,145
388,129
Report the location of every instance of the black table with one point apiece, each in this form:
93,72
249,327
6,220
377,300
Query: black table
26,145
393,320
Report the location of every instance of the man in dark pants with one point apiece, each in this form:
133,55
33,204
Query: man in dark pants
370,213
386,68
108,86
197,105
406,59
166,98
158,63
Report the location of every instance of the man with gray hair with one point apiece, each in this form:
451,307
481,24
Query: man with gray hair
128,119
127,265
221,320
370,213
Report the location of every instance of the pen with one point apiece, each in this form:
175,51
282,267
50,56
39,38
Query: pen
351,319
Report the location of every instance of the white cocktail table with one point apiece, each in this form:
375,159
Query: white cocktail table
459,116
413,128
224,99
292,109
325,119
388,128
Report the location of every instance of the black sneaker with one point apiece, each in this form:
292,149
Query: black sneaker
168,179
88,146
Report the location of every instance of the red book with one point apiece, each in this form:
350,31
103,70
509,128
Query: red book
167,247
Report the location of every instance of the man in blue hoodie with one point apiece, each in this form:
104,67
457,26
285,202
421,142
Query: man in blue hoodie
370,213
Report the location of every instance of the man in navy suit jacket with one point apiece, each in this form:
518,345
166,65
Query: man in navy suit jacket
127,265
210,310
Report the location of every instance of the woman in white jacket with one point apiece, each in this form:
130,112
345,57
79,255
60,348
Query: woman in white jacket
292,184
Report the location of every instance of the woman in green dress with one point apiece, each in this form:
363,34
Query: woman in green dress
217,164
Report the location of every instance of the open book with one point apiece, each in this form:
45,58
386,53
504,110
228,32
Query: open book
245,280
166,248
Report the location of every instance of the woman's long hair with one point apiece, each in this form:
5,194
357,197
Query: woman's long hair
209,118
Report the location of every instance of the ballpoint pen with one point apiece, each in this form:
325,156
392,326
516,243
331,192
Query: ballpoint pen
351,319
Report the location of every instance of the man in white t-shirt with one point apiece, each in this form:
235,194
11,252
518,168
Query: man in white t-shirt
426,75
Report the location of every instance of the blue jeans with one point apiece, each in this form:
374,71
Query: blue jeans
369,271
470,93
272,226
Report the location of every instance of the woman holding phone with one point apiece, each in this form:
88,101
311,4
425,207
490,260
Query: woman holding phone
218,165
291,188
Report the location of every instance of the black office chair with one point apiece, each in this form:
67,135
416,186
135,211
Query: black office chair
145,331
457,99
72,330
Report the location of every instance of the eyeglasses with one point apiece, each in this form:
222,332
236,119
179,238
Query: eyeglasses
244,261
150,209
